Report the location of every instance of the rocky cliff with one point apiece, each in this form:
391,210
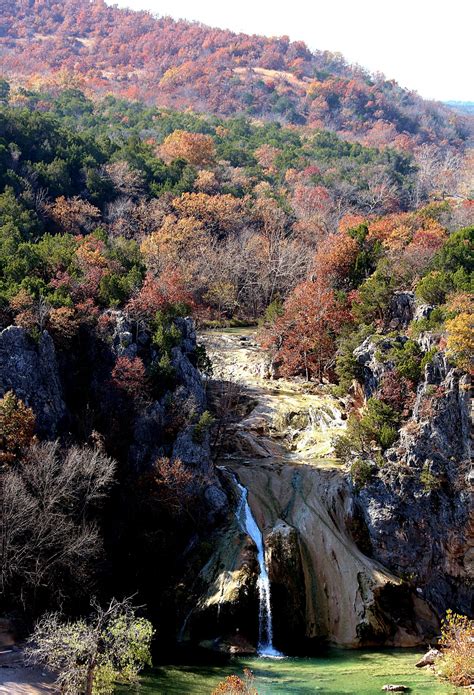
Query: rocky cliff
419,507
326,584
29,368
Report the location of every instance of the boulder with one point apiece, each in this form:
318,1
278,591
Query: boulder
401,310
429,658
395,688
288,595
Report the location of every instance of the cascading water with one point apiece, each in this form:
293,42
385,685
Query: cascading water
249,525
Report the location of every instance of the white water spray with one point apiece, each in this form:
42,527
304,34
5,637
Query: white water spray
249,525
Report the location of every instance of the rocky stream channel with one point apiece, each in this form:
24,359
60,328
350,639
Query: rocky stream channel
322,587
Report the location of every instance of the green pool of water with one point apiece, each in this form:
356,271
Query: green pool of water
341,672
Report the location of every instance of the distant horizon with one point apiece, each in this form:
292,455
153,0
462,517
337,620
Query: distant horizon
418,44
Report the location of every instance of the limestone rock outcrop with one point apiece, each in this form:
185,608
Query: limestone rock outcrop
419,509
29,368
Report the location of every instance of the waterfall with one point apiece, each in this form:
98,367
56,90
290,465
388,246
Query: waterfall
249,525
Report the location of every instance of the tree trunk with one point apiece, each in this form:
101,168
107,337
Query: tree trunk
90,679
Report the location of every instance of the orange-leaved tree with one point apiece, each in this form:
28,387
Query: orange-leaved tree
303,339
17,427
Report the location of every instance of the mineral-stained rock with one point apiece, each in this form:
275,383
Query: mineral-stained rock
226,600
288,596
29,368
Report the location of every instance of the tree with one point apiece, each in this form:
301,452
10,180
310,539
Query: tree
49,537
129,376
460,344
304,337
196,148
91,655
74,215
335,259
17,427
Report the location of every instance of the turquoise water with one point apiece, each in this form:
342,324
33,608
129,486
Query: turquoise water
341,672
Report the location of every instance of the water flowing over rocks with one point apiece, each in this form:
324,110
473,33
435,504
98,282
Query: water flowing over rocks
325,587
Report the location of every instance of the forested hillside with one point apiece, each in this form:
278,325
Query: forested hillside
182,65
235,338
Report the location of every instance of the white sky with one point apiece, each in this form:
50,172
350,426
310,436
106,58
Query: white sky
425,45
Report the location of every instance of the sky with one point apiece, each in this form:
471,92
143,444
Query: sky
425,45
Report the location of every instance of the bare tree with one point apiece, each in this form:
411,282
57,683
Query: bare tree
47,529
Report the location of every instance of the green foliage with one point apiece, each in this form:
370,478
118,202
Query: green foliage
202,426
91,656
433,323
367,257
457,253
376,429
361,473
347,367
203,361
429,481
166,335
162,375
428,358
434,287
272,313
407,357
374,296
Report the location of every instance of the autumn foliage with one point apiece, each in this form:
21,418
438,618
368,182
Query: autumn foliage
180,64
236,685
17,427
304,337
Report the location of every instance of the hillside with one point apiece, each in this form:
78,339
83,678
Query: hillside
182,64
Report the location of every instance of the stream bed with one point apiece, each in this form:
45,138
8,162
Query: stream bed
341,672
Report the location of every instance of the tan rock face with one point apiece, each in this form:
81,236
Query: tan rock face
324,588
349,599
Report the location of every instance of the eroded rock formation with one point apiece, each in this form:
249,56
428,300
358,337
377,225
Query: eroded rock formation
29,368
326,588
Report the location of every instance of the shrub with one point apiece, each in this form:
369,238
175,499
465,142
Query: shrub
373,297
407,360
203,361
457,661
128,375
433,323
235,685
377,428
162,375
361,472
17,426
434,287
90,656
429,481
202,426
347,367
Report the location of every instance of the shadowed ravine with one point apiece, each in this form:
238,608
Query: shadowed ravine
324,588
